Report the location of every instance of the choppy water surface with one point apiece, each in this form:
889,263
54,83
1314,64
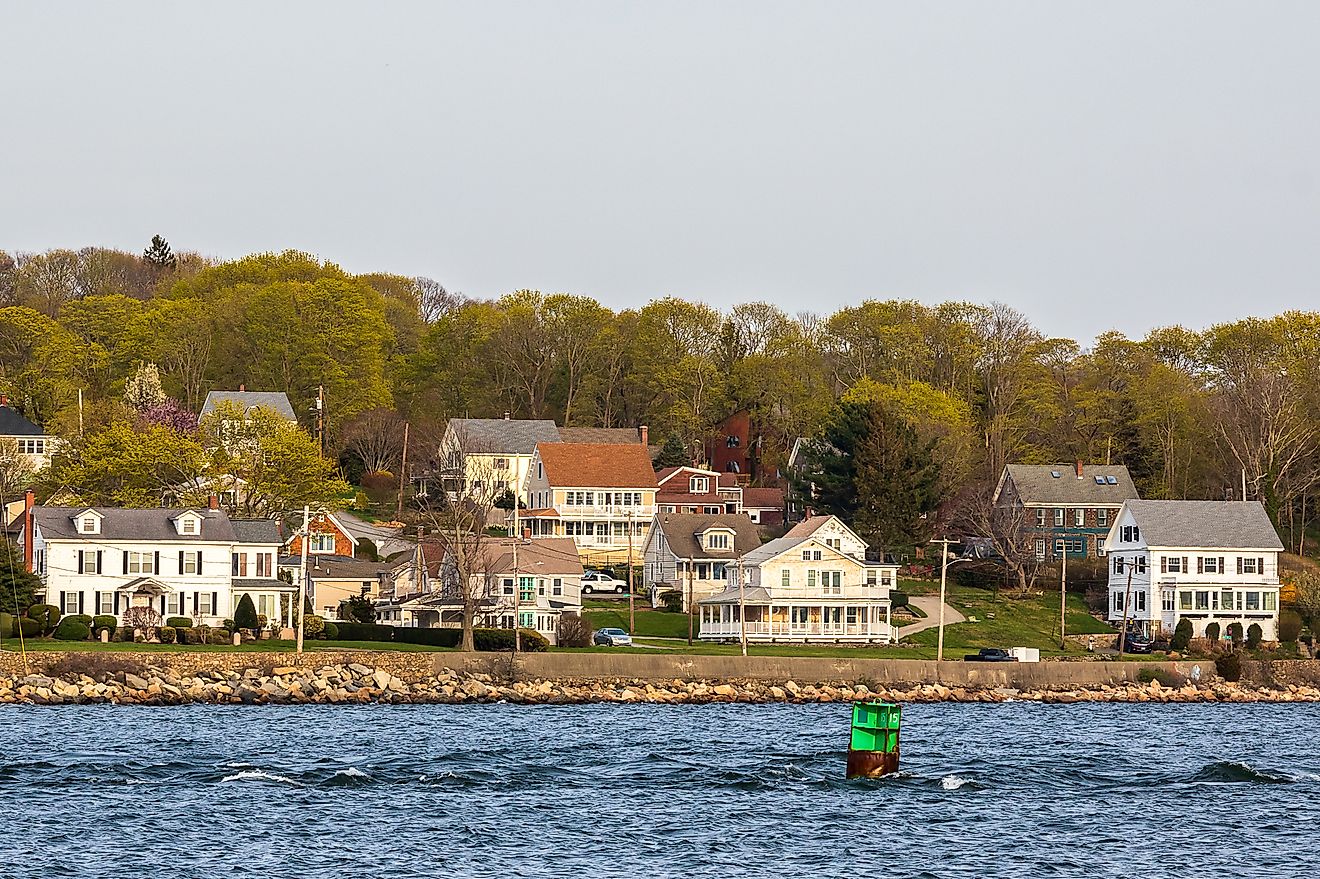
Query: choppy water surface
722,790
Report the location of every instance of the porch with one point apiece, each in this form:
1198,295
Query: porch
805,623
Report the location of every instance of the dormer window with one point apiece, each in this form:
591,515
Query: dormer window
717,540
699,484
189,526
88,522
188,523
89,525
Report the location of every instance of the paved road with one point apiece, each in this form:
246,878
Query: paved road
930,605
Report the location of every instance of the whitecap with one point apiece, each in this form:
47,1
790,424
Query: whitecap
353,772
261,775
952,782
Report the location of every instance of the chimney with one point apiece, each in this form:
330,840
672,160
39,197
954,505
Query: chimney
646,434
527,533
1079,468
27,529
242,388
506,416
213,502
4,399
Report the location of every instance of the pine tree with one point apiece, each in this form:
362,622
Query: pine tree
673,453
159,253
245,615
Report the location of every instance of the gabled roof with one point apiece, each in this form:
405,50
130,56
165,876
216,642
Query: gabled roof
540,556
807,527
665,474
682,532
276,401
153,524
772,549
1205,524
1036,484
599,435
597,465
256,531
12,423
502,436
763,498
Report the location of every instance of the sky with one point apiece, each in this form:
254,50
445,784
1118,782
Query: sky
1096,165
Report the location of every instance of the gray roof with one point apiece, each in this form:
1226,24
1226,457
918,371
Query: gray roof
1209,524
751,593
255,583
12,423
681,530
599,435
502,436
1037,485
276,401
256,530
154,524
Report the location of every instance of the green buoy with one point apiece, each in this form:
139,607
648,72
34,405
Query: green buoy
873,750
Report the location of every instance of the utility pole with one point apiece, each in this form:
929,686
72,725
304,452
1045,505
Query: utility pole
320,418
944,575
689,602
1127,597
403,475
302,576
1063,596
80,412
517,581
742,608
632,611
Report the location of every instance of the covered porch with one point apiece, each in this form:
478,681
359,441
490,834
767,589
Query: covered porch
797,620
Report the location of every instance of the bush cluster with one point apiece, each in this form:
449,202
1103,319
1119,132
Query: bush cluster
1290,626
1212,633
179,622
1229,666
104,621
573,631
364,632
72,629
167,634
897,599
313,626
429,637
1182,636
1166,677
494,640
671,601
1254,636
331,631
46,615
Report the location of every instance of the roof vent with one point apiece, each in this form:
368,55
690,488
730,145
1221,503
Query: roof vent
1055,474
1099,480
1112,480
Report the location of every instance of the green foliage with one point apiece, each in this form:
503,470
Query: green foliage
179,622
506,501
897,598
671,601
358,609
1290,626
1235,633
331,631
28,628
18,586
430,637
1229,666
106,621
351,631
673,453
72,629
185,635
313,626
494,640
1182,636
125,465
245,615
167,634
1212,633
46,615
366,549
1254,635
7,624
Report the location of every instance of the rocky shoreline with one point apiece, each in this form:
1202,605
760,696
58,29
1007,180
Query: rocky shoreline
355,683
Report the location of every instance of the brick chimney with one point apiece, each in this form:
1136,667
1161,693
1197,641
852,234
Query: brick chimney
28,499
242,388
646,434
1079,468
213,502
4,399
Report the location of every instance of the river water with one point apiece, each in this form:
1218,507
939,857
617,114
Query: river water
1017,789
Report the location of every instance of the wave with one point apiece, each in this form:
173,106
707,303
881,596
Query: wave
350,777
1235,772
260,775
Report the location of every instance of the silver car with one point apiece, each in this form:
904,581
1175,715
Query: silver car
612,638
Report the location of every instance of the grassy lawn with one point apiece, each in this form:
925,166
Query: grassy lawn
652,623
1010,622
271,646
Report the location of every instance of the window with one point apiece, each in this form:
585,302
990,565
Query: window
1139,564
191,562
1100,546
32,446
1253,601
1118,564
831,582
1202,600
71,603
1226,599
1184,600
1040,549
1131,534
1210,565
1058,517
785,578
557,586
732,441
870,577
1251,565
189,526
265,568
1269,601
89,525
699,484
806,555
1172,564
139,563
508,585
321,542
1040,518
1141,601
501,463
526,589
717,540
1079,517
172,604
106,607
1118,602
815,555
1166,600
240,564
88,562
204,605
1102,518
811,579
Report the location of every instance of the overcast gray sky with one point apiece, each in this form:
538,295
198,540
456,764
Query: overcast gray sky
1098,165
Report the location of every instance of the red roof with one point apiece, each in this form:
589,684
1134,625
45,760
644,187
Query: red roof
597,465
763,498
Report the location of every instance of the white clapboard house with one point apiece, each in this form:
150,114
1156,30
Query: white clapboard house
1205,561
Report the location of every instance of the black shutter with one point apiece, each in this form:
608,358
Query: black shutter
99,559
116,604
155,566
1185,568
1239,561
195,594
215,602
1222,569
199,562
61,602
125,561
1200,564
81,596
1164,564
80,561
1260,565
162,605
96,600
180,561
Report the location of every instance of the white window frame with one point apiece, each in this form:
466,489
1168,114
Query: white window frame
141,562
70,604
107,606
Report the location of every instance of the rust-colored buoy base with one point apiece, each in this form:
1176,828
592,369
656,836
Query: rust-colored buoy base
871,764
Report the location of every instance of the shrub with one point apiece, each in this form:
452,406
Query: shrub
245,615
1212,633
313,626
364,632
227,625
358,609
167,634
573,631
104,621
184,635
1290,626
7,625
218,636
1229,666
430,637
494,640
124,633
1235,633
72,629
1182,635
379,484
48,615
1254,635
671,601
331,631
83,618
1166,677
179,622
897,599
28,628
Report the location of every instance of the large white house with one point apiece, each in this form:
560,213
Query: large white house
482,458
176,562
692,552
1205,561
812,585
600,494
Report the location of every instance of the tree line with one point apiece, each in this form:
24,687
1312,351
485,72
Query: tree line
1189,411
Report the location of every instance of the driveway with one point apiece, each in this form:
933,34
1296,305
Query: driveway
930,605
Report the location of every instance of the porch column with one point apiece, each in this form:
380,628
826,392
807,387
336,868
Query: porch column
889,621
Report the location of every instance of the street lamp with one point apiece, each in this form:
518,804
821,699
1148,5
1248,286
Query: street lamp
944,576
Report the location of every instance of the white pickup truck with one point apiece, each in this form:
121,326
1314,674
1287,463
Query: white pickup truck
595,581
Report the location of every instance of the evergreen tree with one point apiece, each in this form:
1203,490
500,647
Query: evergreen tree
245,615
18,586
159,253
673,453
873,471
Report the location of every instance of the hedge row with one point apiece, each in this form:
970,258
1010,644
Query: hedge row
429,637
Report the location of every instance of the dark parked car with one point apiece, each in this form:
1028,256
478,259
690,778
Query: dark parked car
1135,642
990,654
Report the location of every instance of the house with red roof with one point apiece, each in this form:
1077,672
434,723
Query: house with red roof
602,495
695,490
